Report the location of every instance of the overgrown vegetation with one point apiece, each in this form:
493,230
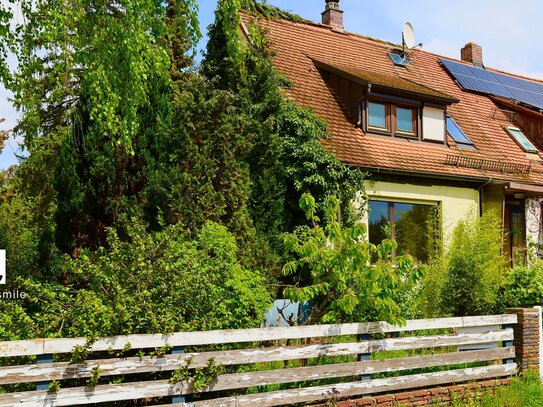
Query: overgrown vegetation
523,391
523,285
335,272
467,277
161,205
162,196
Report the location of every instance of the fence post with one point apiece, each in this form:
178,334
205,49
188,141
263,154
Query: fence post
43,359
527,338
178,350
364,356
540,311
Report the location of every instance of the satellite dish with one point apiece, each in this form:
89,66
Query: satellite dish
408,36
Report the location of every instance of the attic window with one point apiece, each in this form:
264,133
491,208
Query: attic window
378,116
521,139
389,118
457,134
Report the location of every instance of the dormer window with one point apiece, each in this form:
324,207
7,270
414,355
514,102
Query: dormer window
379,116
392,119
406,120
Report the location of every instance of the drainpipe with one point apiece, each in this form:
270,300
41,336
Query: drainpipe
480,190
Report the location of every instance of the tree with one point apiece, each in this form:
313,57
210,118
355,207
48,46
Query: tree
285,157
336,274
201,171
94,85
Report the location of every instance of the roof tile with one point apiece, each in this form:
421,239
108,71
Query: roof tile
297,45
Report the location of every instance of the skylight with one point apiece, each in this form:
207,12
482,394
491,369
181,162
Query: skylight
521,140
458,134
399,60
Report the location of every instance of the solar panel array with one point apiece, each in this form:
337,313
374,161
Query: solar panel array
497,84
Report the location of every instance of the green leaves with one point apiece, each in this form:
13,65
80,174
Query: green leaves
466,279
77,58
307,204
154,282
334,270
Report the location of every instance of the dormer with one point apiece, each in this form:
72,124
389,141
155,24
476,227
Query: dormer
390,106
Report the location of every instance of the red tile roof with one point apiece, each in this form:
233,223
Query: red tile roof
298,45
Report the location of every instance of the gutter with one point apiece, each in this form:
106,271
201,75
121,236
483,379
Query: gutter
421,174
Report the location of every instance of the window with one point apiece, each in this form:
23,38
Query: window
458,134
390,119
378,115
521,139
405,120
413,226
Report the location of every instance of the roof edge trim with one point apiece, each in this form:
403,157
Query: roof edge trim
447,100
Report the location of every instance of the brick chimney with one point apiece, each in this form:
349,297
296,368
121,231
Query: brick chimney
333,15
472,53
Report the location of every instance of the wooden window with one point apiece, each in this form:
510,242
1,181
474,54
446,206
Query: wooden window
388,118
415,227
379,117
406,121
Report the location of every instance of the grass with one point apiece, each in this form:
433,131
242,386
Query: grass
523,391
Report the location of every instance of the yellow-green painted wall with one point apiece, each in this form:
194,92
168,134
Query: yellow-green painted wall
455,202
493,201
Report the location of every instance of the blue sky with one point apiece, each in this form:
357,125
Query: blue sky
510,33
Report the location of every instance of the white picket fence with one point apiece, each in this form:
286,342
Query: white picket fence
498,362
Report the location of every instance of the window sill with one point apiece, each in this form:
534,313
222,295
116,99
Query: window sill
380,131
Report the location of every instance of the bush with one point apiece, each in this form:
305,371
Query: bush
336,272
523,286
161,282
466,280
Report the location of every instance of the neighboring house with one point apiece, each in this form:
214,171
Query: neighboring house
429,144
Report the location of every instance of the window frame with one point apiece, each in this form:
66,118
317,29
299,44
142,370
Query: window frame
414,121
459,144
511,129
391,129
391,203
388,119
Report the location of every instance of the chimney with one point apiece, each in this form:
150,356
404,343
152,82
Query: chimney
333,15
472,53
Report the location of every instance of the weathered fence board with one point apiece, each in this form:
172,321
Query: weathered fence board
338,371
82,395
345,390
66,345
111,367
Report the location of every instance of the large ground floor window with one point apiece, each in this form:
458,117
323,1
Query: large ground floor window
413,226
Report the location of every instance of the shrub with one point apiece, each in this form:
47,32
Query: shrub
467,278
336,272
523,286
159,282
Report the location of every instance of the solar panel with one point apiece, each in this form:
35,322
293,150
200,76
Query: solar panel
497,84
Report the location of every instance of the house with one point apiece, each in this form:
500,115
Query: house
439,137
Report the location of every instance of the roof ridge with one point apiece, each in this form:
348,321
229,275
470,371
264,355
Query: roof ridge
328,28
366,37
